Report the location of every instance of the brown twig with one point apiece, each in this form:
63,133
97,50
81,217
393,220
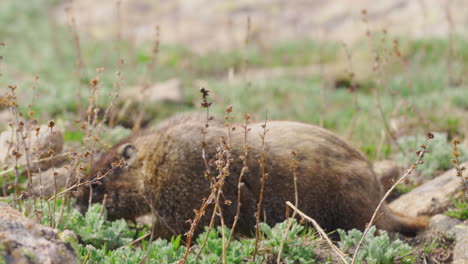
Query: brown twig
322,233
212,196
293,167
264,176
222,162
378,67
80,65
145,79
99,177
87,256
139,239
460,169
420,155
352,89
239,181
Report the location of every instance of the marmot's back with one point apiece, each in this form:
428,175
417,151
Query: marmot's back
336,183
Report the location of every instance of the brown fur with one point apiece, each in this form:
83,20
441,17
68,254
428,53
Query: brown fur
336,183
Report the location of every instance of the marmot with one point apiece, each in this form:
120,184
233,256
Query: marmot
336,183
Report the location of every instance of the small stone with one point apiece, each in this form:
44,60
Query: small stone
443,224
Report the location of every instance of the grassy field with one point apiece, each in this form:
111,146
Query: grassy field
299,80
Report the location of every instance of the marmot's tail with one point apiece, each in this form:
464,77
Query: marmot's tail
397,222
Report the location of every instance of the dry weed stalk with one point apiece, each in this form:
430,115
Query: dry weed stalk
120,63
451,48
113,102
98,177
51,152
91,138
460,169
79,62
293,167
108,115
14,141
31,114
145,79
222,163
154,215
20,138
263,178
41,186
420,154
88,254
322,233
65,202
352,89
378,67
211,197
245,61
244,169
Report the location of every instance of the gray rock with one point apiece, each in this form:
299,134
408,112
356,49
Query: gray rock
432,197
22,240
52,180
443,224
40,142
460,251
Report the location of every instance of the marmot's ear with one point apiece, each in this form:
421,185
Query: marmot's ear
127,152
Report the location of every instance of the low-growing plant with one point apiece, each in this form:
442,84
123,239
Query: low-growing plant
94,228
376,249
460,211
297,249
237,252
439,158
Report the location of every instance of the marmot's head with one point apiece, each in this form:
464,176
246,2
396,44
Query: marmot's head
109,179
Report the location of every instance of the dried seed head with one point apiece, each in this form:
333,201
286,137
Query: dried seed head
204,92
94,82
429,135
